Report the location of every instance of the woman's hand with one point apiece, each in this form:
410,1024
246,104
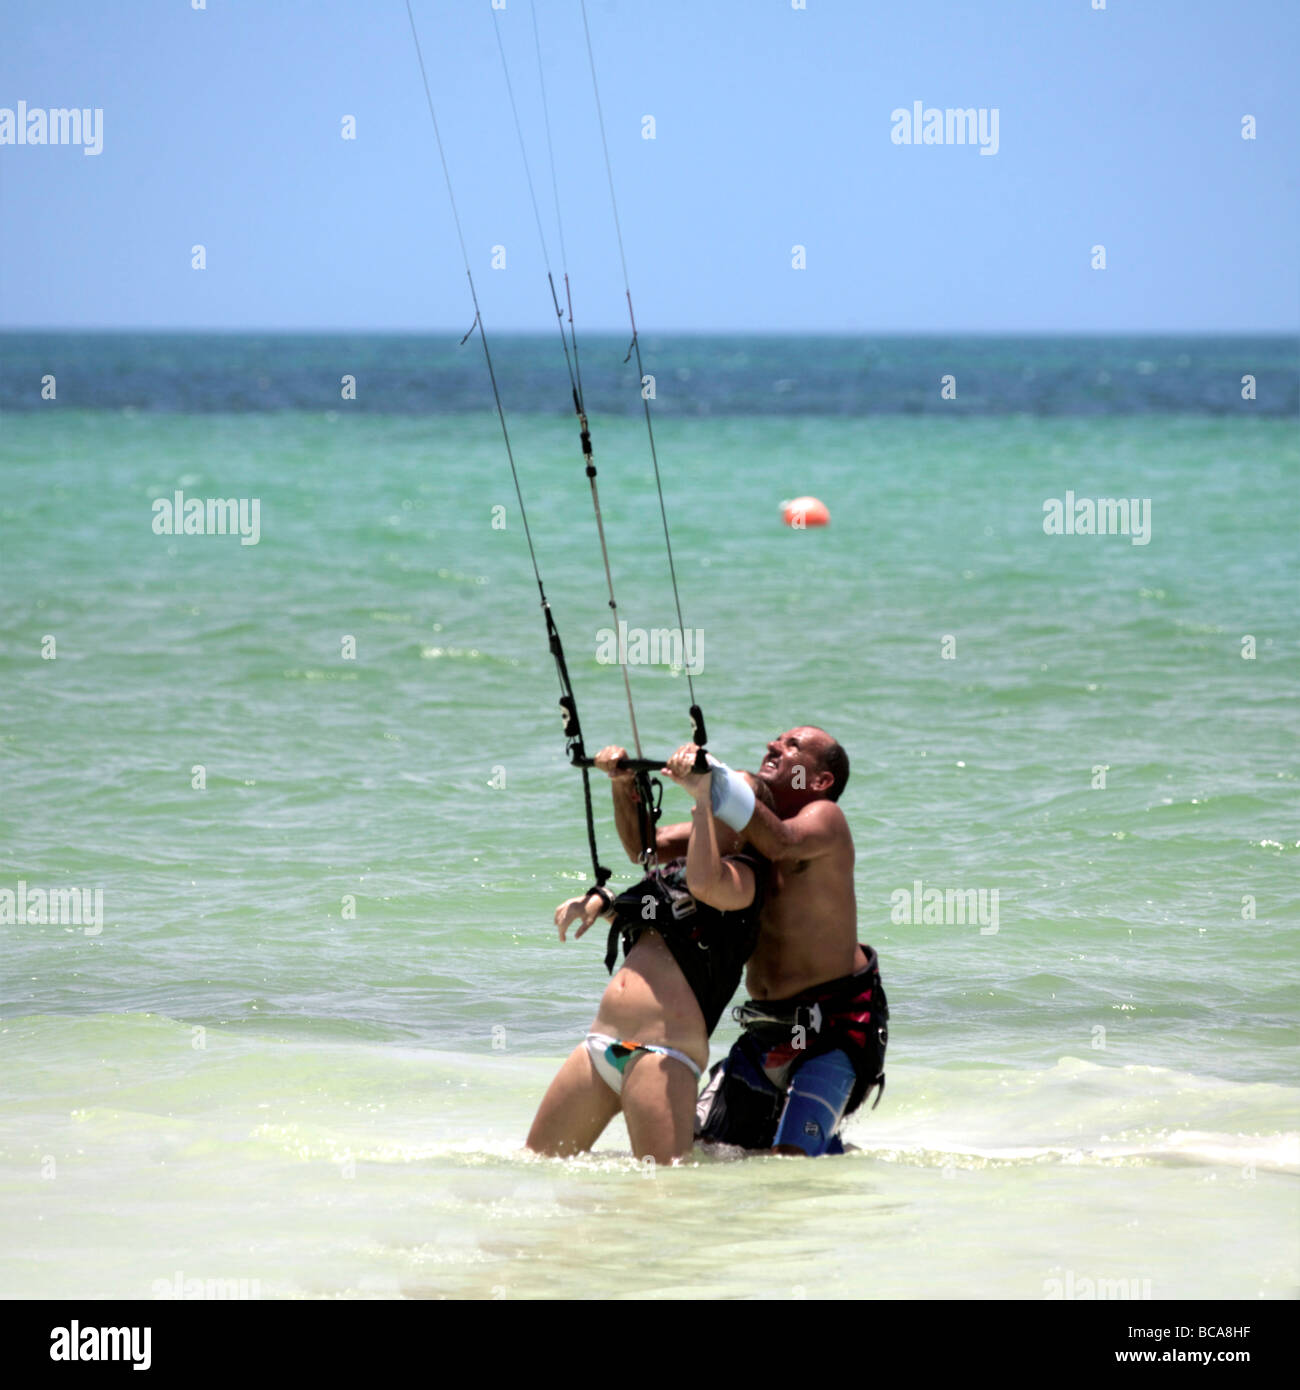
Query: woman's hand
584,910
699,784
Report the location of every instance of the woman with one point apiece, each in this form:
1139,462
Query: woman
687,932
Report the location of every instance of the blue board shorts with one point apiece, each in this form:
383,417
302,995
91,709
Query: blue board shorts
744,1105
815,1103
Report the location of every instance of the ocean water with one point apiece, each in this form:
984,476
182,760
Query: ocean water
303,1046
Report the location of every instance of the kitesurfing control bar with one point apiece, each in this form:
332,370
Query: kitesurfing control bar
701,763
631,764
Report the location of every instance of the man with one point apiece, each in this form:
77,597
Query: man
816,1020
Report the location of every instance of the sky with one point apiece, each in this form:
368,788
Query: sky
223,127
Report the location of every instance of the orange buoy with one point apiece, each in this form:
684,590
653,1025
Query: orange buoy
803,512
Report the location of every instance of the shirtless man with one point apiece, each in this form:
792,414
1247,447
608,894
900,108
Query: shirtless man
816,1020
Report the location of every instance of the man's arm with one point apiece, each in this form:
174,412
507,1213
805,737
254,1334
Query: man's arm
813,831
627,820
671,840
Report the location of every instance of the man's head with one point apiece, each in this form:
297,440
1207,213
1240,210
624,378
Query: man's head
803,765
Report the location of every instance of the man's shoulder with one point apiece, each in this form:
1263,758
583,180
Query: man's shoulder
824,815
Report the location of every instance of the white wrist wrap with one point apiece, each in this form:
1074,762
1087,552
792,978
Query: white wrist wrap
730,796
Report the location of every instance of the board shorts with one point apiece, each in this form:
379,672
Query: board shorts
742,1106
801,1065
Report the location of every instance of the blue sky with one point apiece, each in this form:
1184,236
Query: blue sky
1119,127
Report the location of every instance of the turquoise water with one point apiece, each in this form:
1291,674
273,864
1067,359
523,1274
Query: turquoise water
237,1078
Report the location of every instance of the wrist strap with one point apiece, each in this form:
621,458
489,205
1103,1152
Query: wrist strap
731,797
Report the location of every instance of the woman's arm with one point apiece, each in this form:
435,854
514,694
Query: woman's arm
585,909
726,884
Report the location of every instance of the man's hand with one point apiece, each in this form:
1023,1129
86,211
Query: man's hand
585,910
607,760
698,784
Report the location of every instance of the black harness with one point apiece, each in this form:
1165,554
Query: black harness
710,945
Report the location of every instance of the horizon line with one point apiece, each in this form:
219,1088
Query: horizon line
458,331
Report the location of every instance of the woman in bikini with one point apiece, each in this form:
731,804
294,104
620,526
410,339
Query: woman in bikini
687,932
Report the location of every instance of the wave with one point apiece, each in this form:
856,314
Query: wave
346,1097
